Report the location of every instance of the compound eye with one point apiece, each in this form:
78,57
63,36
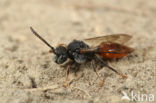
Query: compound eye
60,59
61,55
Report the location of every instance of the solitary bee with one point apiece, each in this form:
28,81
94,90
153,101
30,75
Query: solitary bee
99,49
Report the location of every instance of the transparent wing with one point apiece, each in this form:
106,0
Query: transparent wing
115,38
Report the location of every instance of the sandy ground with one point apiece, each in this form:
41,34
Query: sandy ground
27,69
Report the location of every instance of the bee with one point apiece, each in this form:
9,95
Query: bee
90,50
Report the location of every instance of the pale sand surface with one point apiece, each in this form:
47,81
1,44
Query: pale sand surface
26,63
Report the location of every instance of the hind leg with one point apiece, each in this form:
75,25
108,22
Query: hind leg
105,64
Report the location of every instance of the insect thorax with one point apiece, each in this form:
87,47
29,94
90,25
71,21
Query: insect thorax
74,51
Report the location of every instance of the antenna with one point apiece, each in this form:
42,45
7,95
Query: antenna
36,34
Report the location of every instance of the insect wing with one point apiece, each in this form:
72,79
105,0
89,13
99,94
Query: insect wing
115,38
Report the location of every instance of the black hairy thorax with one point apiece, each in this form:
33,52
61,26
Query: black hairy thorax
74,51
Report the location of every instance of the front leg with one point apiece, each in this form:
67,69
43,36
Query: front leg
67,73
67,65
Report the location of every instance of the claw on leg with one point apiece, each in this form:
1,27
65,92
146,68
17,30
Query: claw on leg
65,85
123,76
101,81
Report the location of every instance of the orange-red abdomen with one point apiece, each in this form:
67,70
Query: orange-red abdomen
113,50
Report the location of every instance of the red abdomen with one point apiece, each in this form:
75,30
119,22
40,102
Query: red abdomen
113,50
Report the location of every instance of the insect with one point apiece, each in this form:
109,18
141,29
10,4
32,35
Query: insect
100,49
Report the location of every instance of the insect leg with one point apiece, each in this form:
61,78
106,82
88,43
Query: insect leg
105,64
67,73
94,67
76,68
